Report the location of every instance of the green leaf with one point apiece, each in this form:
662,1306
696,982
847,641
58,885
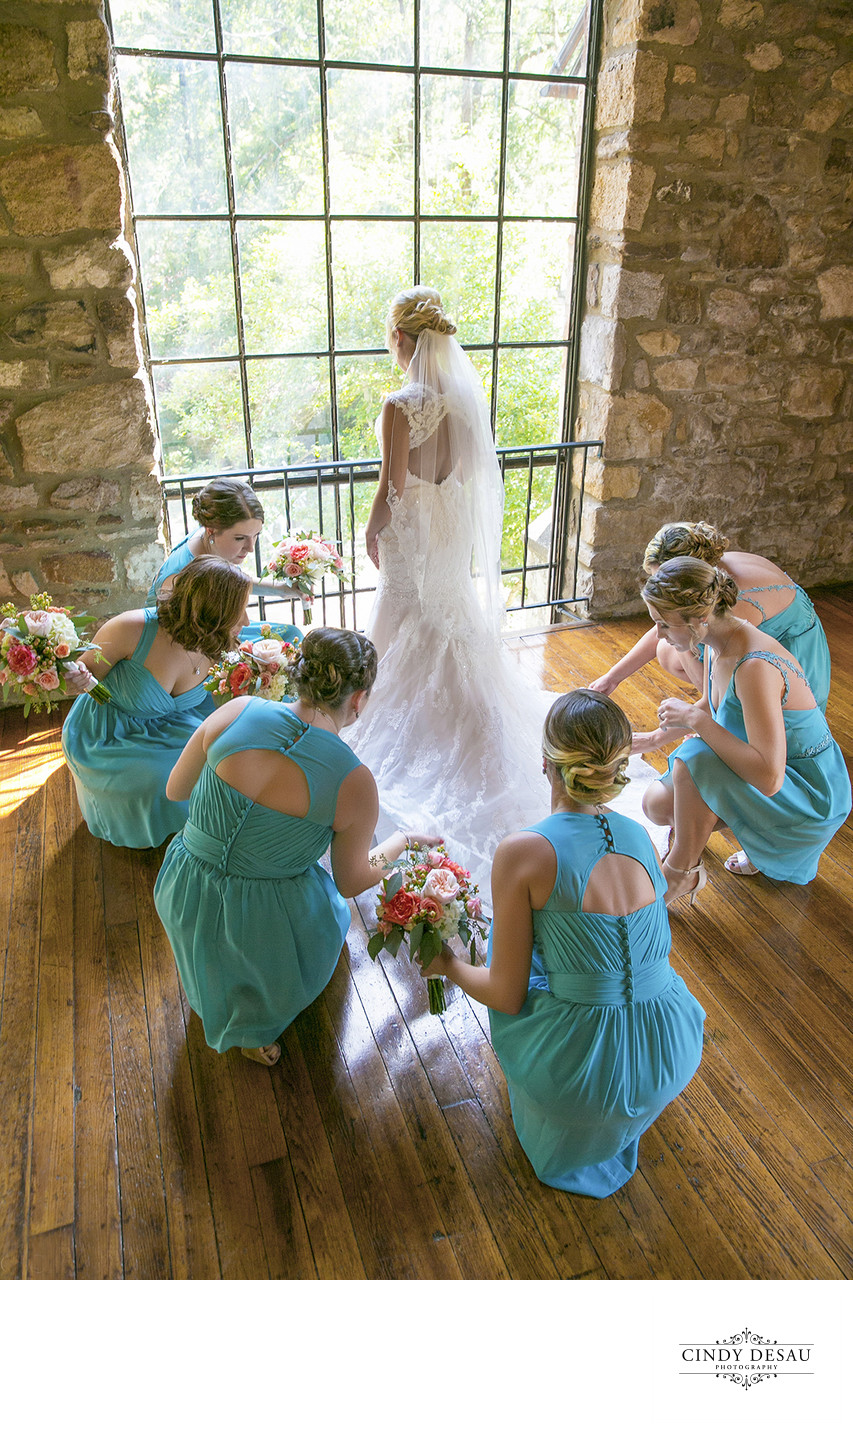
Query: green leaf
375,945
430,946
393,884
415,937
394,939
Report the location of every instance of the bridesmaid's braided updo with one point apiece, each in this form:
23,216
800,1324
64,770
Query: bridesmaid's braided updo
332,664
685,540
588,739
692,588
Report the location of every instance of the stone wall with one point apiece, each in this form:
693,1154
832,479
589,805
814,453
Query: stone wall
715,358
79,499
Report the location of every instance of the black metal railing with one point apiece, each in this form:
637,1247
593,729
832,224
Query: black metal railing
332,498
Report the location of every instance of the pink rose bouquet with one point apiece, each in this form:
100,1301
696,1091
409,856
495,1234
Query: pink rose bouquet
428,899
39,650
260,669
302,560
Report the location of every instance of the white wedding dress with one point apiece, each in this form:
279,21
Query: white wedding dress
452,730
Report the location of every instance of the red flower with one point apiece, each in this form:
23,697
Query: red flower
22,659
401,909
239,678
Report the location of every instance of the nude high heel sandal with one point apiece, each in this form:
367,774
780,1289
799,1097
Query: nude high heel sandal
701,879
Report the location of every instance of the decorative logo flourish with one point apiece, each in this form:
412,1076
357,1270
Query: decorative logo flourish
746,1359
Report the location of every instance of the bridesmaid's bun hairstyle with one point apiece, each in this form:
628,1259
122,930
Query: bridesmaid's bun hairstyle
588,739
685,540
332,664
418,309
225,502
205,606
692,588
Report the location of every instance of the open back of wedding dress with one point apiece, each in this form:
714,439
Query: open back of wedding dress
452,730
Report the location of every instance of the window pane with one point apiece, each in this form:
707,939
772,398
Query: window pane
460,145
378,30
283,282
371,263
289,406
362,385
458,260
371,158
270,27
482,362
530,386
463,34
543,146
189,288
201,417
536,281
174,135
549,36
163,24
274,119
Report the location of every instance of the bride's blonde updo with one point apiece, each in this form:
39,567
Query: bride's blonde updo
691,588
417,309
685,540
588,739
332,664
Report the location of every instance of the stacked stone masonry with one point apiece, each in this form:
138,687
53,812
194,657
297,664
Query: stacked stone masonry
718,334
79,496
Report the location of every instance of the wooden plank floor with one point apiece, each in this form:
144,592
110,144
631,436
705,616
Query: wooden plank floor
382,1147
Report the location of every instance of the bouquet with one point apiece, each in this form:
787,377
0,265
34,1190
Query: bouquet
39,648
429,899
260,669
302,559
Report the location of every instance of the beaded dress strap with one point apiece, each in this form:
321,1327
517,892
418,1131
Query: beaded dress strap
780,664
767,588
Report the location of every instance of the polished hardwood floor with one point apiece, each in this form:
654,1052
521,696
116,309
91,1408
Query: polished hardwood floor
382,1147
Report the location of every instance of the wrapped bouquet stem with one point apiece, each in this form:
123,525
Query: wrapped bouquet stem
427,899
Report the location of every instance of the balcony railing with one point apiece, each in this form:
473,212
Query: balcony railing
540,551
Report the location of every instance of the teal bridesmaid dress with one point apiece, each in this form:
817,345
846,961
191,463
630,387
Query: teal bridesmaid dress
255,923
179,559
609,1034
783,835
799,629
121,753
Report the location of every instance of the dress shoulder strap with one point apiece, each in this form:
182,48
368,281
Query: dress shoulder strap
149,633
780,664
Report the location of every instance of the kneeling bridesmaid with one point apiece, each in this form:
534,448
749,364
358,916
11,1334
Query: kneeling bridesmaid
154,662
594,1030
255,923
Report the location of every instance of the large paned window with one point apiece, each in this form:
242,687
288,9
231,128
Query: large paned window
295,163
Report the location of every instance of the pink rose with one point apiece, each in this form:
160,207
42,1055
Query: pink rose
473,906
434,857
62,650
21,659
3,676
31,690
38,624
431,910
299,552
442,885
292,570
48,680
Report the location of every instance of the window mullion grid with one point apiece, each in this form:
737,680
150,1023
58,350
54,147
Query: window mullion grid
327,224
501,205
417,139
235,253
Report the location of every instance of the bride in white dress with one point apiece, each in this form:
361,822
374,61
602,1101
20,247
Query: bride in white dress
451,733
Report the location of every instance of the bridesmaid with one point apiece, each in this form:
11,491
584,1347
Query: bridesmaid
784,611
154,662
230,518
256,924
758,756
594,1030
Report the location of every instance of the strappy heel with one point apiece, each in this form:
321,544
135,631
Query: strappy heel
701,879
263,1055
740,864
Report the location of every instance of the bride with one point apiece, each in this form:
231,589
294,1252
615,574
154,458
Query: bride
450,732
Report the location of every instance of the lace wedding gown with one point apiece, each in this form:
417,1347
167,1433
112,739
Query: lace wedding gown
450,732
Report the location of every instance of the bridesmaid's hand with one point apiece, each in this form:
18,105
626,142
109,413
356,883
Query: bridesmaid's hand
604,685
422,839
675,713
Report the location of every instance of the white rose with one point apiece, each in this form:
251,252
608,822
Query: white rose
62,630
267,650
38,623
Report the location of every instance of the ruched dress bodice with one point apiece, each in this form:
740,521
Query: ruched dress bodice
122,752
255,923
784,834
609,1032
